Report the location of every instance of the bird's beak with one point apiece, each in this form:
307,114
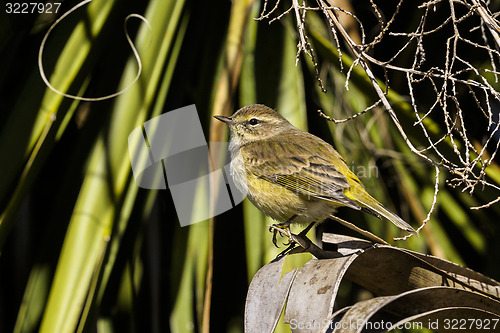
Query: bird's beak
227,120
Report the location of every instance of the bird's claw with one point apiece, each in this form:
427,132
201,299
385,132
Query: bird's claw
283,229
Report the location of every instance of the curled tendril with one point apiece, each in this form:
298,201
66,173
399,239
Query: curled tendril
127,36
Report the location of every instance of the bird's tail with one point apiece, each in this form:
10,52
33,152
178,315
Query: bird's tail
372,206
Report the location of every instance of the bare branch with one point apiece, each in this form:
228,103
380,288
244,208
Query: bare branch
449,82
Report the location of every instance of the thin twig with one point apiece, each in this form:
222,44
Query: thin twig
431,210
363,232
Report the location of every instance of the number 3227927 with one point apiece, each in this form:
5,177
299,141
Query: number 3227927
32,7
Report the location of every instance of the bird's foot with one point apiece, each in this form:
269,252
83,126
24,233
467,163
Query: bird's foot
283,229
293,239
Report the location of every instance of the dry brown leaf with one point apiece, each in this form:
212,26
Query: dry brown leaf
415,291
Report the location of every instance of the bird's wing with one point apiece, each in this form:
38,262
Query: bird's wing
289,164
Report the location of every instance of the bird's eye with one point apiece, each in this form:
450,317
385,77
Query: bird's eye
253,121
